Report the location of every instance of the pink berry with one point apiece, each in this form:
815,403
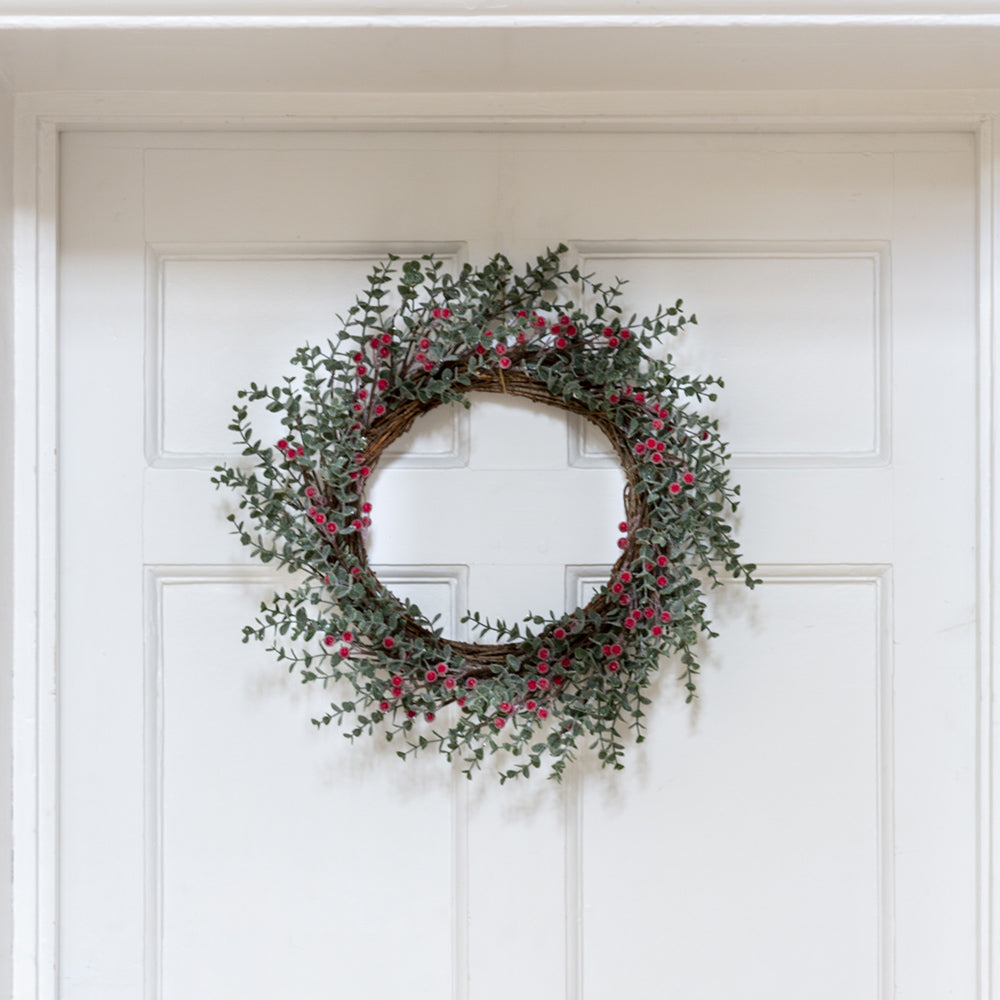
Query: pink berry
328,640
470,683
505,362
344,652
626,577
543,667
614,666
665,616
431,675
640,448
449,682
661,581
543,713
332,528
499,722
543,654
656,458
661,560
688,477
383,706
560,633
675,488
531,704
505,707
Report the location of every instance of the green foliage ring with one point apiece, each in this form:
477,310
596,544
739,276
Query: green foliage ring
550,684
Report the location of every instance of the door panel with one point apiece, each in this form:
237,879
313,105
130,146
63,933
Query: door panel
807,828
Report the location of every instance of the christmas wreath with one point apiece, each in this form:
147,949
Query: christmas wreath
547,686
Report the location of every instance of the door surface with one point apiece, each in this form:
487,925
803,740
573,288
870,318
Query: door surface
806,829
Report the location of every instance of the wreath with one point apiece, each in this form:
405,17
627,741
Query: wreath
549,685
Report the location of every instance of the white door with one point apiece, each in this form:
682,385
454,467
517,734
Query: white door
806,829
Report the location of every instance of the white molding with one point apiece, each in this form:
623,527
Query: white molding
988,596
230,14
40,120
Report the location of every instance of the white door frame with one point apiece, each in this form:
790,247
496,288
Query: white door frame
40,120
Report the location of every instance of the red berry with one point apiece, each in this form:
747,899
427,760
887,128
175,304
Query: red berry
499,722
665,616
543,668
614,666
616,649
328,640
431,675
623,543
397,681
531,704
543,713
661,581
688,477
344,652
661,560
675,488
505,362
460,702
283,445
470,683
429,716
505,707
383,706
543,654
388,642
